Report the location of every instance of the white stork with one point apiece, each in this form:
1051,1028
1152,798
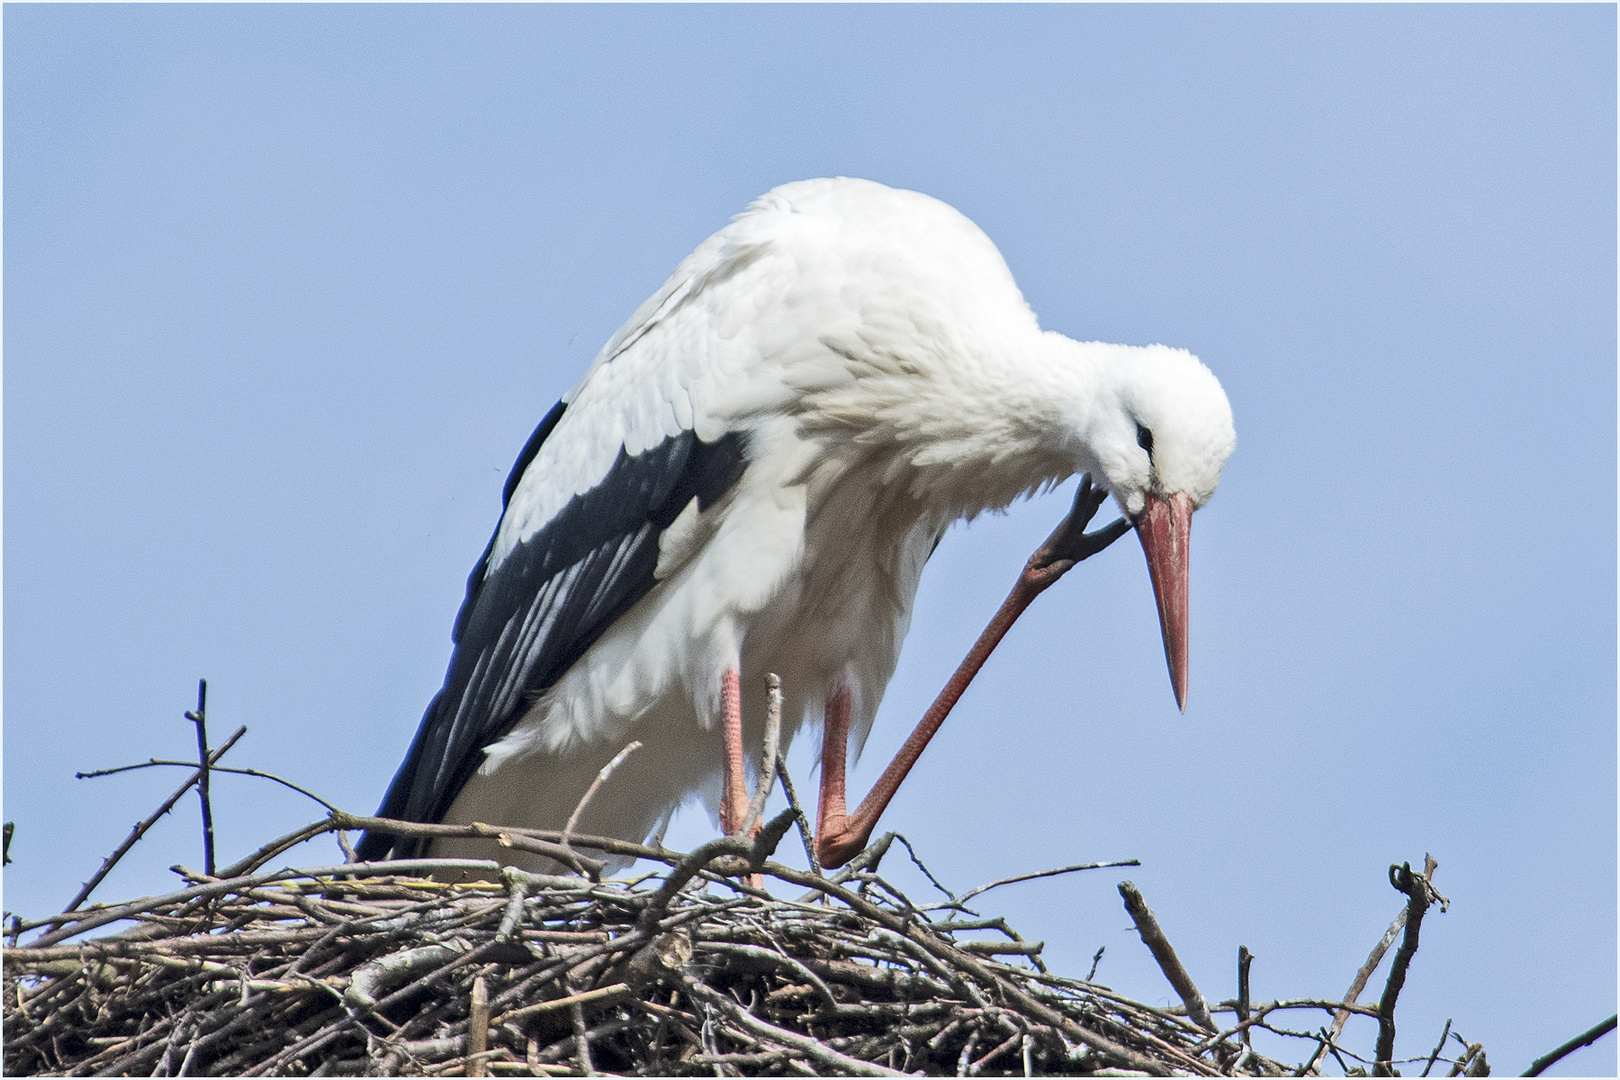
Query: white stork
749,479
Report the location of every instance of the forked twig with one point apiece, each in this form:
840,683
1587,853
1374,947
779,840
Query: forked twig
1359,983
1439,1046
140,829
260,773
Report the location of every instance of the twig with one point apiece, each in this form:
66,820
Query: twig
477,1027
200,718
221,886
539,841
140,829
927,873
811,1047
1465,1064
277,846
616,992
1416,888
1439,1046
582,1037
1334,1050
5,854
261,774
971,893
1159,945
767,764
1585,1038
1360,981
805,832
596,785
1245,958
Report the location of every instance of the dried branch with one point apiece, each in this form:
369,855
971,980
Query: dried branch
767,764
1359,983
1159,945
1416,888
477,1027
1245,958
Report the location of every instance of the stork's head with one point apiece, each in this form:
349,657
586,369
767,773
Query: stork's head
1160,431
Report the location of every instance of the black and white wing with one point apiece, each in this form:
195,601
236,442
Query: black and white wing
608,470
530,615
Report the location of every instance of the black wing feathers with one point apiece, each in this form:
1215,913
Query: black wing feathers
526,621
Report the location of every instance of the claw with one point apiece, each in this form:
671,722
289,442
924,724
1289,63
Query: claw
1071,543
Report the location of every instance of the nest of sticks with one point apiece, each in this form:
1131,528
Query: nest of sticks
725,962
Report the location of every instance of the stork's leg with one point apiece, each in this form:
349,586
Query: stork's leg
840,835
834,753
734,793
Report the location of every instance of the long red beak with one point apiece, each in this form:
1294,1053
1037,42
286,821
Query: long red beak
1164,527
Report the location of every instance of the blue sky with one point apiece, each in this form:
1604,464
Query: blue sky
286,288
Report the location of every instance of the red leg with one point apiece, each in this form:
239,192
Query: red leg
734,793
841,835
830,814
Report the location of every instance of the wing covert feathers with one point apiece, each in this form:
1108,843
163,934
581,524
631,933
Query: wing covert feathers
528,618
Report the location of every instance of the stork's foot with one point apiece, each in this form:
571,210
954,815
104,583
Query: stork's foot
1070,543
837,843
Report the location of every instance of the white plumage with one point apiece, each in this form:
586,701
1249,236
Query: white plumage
750,478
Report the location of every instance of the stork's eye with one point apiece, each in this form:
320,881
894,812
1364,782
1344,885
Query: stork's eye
1144,439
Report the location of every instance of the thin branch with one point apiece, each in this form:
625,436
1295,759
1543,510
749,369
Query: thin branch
221,886
971,893
260,773
1245,958
1585,1038
1439,1046
596,785
806,833
140,829
277,846
927,873
200,718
